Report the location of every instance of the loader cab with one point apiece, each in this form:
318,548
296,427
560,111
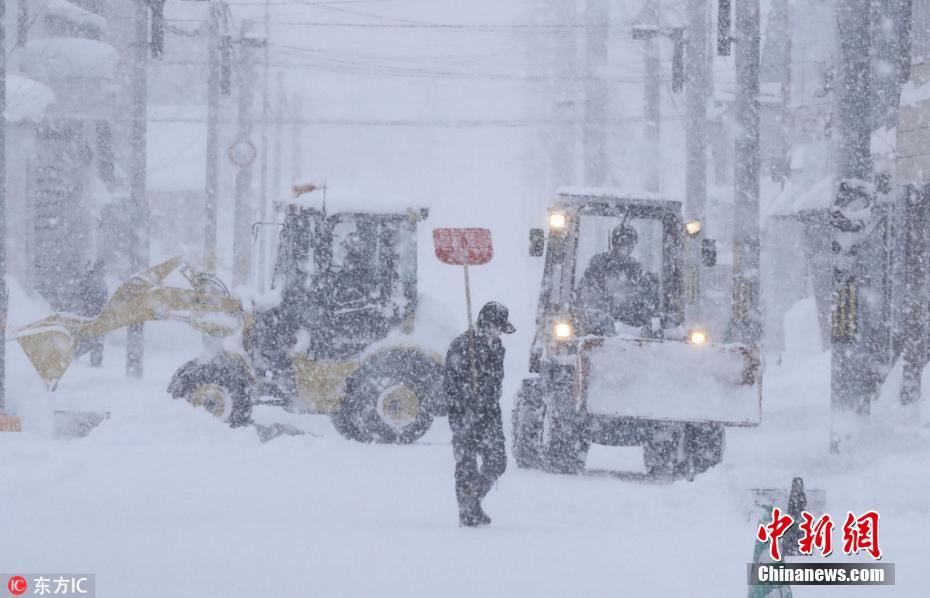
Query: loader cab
578,245
355,273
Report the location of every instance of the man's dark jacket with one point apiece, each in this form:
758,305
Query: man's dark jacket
474,395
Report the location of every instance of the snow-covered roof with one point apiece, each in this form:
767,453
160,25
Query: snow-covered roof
580,193
26,99
615,192
53,58
74,13
347,197
791,201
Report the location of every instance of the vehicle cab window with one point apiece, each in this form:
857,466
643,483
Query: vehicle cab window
618,272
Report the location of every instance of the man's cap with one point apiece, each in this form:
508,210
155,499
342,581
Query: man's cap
495,314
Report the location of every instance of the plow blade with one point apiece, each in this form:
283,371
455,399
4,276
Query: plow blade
671,380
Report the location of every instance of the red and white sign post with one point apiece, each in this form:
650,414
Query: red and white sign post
464,247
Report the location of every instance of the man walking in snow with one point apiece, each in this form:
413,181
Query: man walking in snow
473,377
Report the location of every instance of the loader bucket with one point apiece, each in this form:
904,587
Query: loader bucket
671,380
51,344
50,348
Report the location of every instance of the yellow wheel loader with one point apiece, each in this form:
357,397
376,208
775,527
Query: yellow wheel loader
336,340
614,361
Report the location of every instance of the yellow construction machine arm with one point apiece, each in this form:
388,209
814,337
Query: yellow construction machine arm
52,343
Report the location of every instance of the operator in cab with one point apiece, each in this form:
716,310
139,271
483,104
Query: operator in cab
615,288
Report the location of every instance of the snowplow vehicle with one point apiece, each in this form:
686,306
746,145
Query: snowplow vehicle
614,361
336,337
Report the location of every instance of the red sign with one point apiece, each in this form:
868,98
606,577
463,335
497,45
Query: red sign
463,246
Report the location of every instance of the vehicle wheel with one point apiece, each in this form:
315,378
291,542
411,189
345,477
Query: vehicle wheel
706,445
347,423
388,397
565,445
217,387
663,453
528,413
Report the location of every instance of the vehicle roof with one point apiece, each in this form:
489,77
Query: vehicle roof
349,199
578,196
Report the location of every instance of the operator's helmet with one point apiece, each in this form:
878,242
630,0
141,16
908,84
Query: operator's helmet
623,237
353,245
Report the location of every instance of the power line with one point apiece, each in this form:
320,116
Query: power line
487,28
442,123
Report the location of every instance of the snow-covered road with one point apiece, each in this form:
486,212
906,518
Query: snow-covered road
162,500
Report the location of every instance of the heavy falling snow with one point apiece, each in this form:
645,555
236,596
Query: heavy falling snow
233,235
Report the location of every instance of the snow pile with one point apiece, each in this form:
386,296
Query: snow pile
912,95
818,196
26,99
433,330
71,12
56,58
696,382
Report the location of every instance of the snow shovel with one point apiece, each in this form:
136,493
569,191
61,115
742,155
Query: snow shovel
464,247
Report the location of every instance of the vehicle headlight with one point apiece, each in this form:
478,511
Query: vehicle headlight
562,330
557,220
693,227
697,337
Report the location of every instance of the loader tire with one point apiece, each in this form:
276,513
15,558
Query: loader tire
222,388
528,414
663,453
706,444
346,423
388,398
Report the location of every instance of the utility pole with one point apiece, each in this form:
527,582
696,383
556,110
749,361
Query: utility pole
916,287
139,221
696,110
263,190
595,91
696,93
562,146
279,117
243,154
916,197
213,108
853,381
296,138
652,96
4,299
745,316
